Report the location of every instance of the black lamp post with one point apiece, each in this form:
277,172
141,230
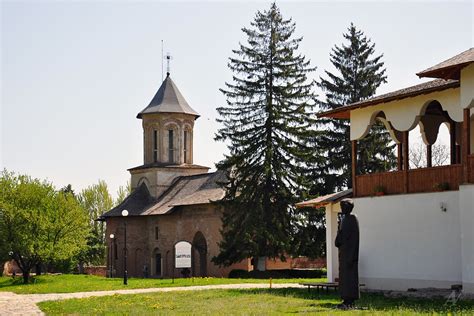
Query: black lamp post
125,276
111,266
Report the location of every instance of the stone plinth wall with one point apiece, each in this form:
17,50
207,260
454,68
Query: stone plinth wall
96,270
306,263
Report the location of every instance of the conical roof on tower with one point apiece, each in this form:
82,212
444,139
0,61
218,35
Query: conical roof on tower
168,99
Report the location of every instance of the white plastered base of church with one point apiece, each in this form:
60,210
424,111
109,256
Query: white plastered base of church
412,240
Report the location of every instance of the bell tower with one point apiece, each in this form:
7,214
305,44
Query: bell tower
168,123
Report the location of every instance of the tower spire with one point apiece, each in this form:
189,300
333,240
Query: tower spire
168,59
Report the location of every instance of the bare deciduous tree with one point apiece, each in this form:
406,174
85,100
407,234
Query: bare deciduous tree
439,153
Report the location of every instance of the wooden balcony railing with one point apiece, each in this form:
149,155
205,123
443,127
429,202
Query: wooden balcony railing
425,179
419,180
391,181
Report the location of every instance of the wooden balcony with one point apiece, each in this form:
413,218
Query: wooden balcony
412,181
421,180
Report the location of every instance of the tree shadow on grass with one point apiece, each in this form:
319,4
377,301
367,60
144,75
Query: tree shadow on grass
371,301
5,283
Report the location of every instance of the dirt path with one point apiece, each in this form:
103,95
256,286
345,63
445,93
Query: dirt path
25,304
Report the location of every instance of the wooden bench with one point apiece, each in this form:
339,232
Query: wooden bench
325,285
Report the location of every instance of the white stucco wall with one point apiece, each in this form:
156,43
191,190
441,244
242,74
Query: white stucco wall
466,197
332,262
407,241
467,86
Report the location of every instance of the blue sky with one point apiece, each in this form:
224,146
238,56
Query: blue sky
74,74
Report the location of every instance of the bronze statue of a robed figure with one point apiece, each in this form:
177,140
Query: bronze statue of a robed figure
347,240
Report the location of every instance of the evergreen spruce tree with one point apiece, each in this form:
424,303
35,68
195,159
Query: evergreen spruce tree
268,123
359,74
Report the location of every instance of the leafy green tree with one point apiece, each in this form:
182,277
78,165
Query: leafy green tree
37,223
269,126
122,192
359,74
96,200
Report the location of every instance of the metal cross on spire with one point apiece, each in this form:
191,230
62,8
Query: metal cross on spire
168,59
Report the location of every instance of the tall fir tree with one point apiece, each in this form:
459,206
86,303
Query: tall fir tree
268,123
359,74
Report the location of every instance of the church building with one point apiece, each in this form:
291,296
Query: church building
171,199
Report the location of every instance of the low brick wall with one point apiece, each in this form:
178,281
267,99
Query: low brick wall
306,263
96,270
277,264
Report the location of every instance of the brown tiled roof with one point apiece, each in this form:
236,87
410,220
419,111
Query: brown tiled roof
168,165
135,203
186,190
450,68
168,99
423,88
326,199
189,190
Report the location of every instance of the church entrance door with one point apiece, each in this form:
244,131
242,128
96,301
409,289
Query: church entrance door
199,265
158,264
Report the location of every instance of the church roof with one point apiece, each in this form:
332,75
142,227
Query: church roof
139,199
450,68
168,99
185,190
190,190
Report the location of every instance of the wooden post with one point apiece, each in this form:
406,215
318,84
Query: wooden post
466,145
452,134
458,153
429,155
406,165
399,157
354,168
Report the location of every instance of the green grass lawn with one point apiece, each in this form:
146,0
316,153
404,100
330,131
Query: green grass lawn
68,283
248,302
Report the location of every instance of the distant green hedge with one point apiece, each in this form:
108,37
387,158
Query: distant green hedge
277,274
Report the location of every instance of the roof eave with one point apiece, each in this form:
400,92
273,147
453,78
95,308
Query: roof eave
344,112
449,72
140,115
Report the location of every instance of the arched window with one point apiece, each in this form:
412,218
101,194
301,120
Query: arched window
171,145
155,145
187,143
170,142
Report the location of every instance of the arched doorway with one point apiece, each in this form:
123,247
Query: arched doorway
157,263
199,265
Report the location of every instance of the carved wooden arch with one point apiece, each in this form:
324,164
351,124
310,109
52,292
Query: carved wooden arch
432,117
379,116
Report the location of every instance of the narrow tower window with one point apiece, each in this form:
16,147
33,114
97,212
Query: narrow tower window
186,160
170,146
156,232
155,145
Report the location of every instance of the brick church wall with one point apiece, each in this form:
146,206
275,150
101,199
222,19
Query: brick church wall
181,225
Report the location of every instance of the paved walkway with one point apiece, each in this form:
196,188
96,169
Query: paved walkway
25,304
